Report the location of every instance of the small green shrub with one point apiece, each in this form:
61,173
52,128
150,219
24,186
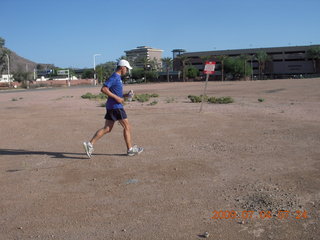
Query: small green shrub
144,97
100,96
16,99
220,100
87,96
197,99
153,103
141,97
261,100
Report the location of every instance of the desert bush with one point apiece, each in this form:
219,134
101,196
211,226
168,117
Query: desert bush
153,103
220,100
99,96
144,97
141,97
197,99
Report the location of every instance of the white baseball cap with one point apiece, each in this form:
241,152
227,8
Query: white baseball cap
124,63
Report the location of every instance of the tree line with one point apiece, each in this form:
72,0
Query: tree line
146,69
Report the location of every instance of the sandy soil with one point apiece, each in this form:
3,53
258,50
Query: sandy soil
250,157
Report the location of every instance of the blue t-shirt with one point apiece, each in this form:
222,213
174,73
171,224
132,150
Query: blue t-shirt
114,83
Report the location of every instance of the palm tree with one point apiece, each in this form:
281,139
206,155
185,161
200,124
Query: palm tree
205,59
314,54
222,59
252,58
184,60
262,58
146,66
155,64
167,61
122,57
245,58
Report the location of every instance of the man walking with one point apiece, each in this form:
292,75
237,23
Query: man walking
115,112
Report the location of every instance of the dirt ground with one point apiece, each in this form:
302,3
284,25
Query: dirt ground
255,159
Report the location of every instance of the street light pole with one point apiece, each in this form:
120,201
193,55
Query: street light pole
94,68
8,68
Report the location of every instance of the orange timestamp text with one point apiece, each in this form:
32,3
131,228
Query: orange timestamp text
247,215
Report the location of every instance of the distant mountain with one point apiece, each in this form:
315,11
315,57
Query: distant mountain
20,64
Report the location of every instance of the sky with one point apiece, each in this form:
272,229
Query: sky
67,33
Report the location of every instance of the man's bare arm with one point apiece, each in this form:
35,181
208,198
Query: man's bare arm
106,91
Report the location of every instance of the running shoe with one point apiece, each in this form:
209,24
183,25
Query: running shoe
135,150
88,148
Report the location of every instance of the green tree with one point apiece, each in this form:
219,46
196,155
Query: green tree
192,72
40,67
204,59
155,65
20,76
152,75
2,42
122,57
167,61
105,70
88,73
110,67
150,67
222,59
3,53
100,73
245,58
146,66
234,66
252,58
137,73
314,54
262,58
184,61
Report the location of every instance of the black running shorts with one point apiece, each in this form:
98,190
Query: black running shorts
115,114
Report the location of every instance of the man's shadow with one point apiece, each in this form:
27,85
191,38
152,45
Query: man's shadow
60,155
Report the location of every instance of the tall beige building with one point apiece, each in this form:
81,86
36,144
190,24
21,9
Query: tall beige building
136,56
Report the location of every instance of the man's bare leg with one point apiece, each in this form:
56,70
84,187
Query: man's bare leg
101,132
126,132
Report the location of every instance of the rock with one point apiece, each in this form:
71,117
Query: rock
206,235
